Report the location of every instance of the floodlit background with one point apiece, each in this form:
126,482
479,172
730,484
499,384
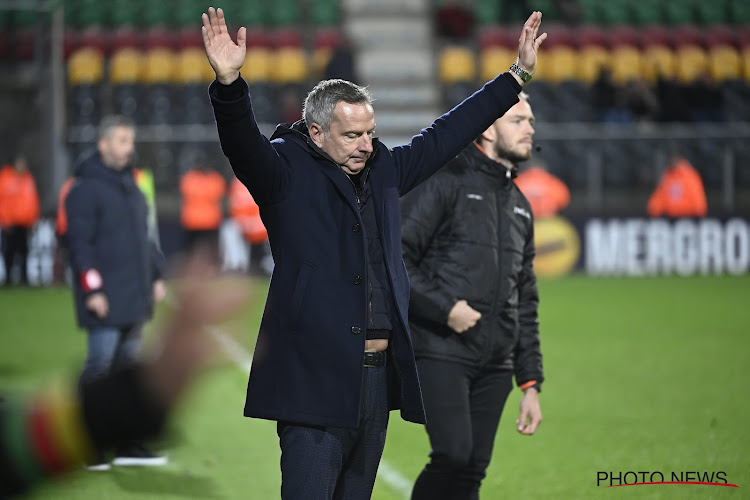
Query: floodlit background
643,321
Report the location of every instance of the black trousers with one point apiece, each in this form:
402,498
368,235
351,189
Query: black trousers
15,250
463,406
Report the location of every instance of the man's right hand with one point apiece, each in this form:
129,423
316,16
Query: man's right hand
98,304
462,317
225,56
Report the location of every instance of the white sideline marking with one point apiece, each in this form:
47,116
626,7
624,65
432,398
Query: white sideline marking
243,360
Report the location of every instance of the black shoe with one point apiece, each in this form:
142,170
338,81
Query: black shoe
136,454
98,462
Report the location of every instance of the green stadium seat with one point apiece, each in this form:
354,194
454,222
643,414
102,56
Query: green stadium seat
713,12
124,13
590,11
284,13
23,18
488,11
325,12
615,12
160,13
189,13
739,11
248,13
90,13
678,11
646,13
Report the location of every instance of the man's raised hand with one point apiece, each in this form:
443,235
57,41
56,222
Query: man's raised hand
225,56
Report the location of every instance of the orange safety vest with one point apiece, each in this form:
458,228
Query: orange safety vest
61,225
546,193
202,193
246,213
19,200
680,193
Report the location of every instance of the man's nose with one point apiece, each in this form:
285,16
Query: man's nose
365,143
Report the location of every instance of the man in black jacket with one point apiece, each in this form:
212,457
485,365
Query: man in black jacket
468,243
116,266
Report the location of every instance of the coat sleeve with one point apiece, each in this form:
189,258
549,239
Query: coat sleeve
255,161
528,362
81,207
439,143
422,211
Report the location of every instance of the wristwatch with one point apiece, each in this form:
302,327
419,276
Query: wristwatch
522,73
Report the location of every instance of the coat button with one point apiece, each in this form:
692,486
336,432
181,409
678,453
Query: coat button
357,280
355,228
356,330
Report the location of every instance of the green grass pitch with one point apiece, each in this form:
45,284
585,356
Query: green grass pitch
643,375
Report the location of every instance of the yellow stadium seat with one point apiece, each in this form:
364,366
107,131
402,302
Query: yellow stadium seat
691,62
724,63
193,66
626,64
126,66
85,65
495,60
591,59
745,57
289,65
257,66
456,64
159,66
320,59
658,60
561,64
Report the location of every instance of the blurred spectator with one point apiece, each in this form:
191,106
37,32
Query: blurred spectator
202,190
674,104
19,211
453,20
546,193
706,100
680,191
57,428
341,64
641,100
144,179
246,214
290,106
609,99
116,265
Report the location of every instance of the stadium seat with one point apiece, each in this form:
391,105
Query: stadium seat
284,13
658,60
85,66
654,35
687,35
678,12
591,59
561,63
192,106
128,101
289,65
85,104
719,34
626,64
159,66
325,12
286,38
249,13
124,13
745,57
160,13
590,35
193,67
456,64
90,13
158,109
739,11
189,14
713,12
188,37
159,37
95,38
646,13
126,38
590,11
494,36
615,12
257,65
125,66
691,61
495,60
622,35
488,11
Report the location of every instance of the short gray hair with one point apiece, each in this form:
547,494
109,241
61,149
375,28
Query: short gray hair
110,122
324,97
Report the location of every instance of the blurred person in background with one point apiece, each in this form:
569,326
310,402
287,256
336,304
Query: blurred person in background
59,427
203,191
468,242
334,352
19,211
680,192
546,193
246,214
115,265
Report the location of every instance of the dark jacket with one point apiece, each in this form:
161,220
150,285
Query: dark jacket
107,231
468,234
308,361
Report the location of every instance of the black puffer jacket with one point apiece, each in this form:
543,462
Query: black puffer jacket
468,234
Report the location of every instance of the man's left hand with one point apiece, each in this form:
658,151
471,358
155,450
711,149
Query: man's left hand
531,412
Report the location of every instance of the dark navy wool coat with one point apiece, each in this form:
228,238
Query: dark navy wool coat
308,361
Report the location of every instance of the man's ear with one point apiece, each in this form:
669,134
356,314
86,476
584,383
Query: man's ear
316,134
490,134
